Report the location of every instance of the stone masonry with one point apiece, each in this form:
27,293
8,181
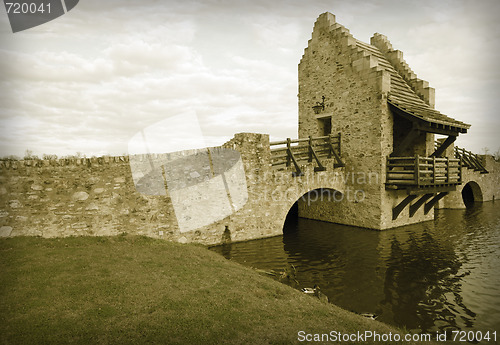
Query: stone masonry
113,195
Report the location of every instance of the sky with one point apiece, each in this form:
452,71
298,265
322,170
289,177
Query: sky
89,81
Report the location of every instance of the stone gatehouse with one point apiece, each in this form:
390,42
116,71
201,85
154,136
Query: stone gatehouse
366,155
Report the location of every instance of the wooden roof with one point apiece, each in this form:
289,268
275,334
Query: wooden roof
405,102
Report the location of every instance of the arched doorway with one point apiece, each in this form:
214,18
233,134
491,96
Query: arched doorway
316,204
471,194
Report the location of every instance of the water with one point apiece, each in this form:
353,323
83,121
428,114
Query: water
441,275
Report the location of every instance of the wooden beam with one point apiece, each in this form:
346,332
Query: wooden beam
399,208
291,158
414,208
414,190
339,162
444,145
453,131
312,154
426,126
428,206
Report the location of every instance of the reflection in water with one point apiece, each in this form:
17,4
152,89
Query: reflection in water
433,276
422,285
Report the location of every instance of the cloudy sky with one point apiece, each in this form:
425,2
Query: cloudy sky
90,80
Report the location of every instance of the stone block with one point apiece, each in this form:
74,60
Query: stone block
5,231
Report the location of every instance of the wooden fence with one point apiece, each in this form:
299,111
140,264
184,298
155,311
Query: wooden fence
295,151
423,171
470,160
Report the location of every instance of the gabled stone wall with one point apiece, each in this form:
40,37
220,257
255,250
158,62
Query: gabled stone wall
355,90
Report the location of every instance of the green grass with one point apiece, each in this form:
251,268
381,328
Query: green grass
135,290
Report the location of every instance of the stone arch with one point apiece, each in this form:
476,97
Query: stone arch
471,193
313,197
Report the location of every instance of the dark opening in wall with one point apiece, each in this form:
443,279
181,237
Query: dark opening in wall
325,126
468,195
291,219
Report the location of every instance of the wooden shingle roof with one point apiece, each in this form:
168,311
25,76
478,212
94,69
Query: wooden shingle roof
405,101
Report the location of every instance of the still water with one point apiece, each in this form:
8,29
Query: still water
433,276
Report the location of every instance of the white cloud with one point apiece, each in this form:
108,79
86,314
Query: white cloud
92,78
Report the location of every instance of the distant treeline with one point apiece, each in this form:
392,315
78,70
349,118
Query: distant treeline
28,155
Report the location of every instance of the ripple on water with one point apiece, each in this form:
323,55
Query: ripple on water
432,276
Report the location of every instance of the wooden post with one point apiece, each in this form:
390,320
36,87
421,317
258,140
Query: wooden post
288,151
417,170
387,169
460,170
433,170
447,169
330,147
310,149
340,152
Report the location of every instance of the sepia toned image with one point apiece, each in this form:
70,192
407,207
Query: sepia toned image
216,172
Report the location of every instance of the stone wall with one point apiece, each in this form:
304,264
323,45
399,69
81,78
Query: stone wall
98,197
355,87
65,197
488,185
355,99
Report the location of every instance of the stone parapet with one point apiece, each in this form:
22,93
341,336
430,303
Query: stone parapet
76,162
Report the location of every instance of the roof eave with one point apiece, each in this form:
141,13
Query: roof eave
426,125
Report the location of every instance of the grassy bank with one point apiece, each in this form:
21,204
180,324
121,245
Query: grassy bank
125,290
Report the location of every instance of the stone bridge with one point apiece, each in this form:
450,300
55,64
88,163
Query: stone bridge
308,178
480,182
365,156
246,197
270,187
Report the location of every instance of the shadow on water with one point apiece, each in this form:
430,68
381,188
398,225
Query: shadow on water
433,276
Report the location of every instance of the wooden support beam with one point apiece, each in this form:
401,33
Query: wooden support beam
428,206
480,165
432,189
410,137
399,208
444,145
312,154
291,158
468,162
288,151
339,162
414,207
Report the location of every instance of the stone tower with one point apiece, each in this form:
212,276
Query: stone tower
368,94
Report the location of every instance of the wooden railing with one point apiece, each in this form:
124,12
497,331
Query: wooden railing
423,171
294,151
470,160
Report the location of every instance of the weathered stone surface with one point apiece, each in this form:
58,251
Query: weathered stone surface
79,225
5,231
98,197
92,207
14,204
80,196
